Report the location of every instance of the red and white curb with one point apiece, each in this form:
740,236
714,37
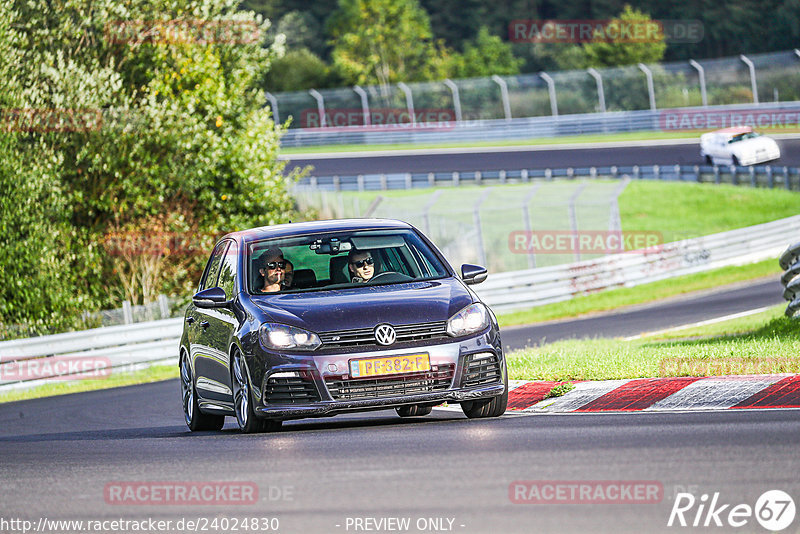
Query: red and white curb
654,394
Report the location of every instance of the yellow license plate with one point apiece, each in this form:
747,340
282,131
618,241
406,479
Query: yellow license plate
393,365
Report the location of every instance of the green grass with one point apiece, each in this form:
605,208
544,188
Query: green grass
683,210
116,379
769,344
627,296
567,139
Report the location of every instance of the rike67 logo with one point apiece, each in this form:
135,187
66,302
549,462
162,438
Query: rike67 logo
774,510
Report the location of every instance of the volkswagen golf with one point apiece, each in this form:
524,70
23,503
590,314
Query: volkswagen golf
328,317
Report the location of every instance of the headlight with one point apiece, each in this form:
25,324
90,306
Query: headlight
471,319
280,336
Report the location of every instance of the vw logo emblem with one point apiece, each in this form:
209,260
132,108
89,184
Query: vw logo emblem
385,334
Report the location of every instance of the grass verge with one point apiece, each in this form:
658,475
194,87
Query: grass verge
567,139
760,344
627,296
151,374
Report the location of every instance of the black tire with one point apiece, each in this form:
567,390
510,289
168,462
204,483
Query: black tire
415,410
492,407
709,161
195,419
735,161
243,401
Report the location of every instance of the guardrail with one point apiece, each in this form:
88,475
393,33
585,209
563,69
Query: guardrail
755,176
534,287
790,262
772,114
88,353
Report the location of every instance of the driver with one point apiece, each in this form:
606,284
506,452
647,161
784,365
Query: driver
361,265
273,267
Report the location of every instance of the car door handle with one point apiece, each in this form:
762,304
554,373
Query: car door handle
190,320
204,324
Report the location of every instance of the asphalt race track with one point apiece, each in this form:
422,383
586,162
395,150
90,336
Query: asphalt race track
648,318
658,153
60,454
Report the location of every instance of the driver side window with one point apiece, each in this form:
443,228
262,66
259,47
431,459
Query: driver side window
212,269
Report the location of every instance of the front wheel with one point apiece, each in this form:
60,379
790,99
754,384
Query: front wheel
195,419
735,161
492,407
709,161
242,401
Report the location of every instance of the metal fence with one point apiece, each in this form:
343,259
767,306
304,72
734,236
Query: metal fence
454,108
475,225
790,262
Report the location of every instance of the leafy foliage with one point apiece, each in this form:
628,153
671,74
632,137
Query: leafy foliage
623,50
169,134
382,41
484,56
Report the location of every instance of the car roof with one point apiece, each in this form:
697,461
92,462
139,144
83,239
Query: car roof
311,227
735,130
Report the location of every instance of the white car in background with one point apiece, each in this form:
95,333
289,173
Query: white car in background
737,146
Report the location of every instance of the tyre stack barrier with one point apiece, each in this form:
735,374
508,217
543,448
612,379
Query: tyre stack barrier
790,262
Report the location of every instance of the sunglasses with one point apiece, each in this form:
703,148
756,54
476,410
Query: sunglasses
361,263
276,265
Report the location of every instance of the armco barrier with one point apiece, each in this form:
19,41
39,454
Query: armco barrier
790,262
108,347
769,176
534,287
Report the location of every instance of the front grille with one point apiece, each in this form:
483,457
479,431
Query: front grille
366,336
290,390
480,372
392,386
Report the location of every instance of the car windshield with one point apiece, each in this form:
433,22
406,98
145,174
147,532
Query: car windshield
340,260
742,136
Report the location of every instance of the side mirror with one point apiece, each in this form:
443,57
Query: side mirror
213,297
473,274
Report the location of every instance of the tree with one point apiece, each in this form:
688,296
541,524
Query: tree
382,41
484,56
298,70
169,133
623,50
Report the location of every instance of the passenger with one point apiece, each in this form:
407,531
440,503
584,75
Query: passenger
272,269
288,275
361,266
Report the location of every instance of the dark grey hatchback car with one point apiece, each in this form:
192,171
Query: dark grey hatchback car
371,317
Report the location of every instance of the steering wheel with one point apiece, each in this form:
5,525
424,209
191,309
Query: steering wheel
390,276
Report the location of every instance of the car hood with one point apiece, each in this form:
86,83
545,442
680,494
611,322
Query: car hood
364,307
